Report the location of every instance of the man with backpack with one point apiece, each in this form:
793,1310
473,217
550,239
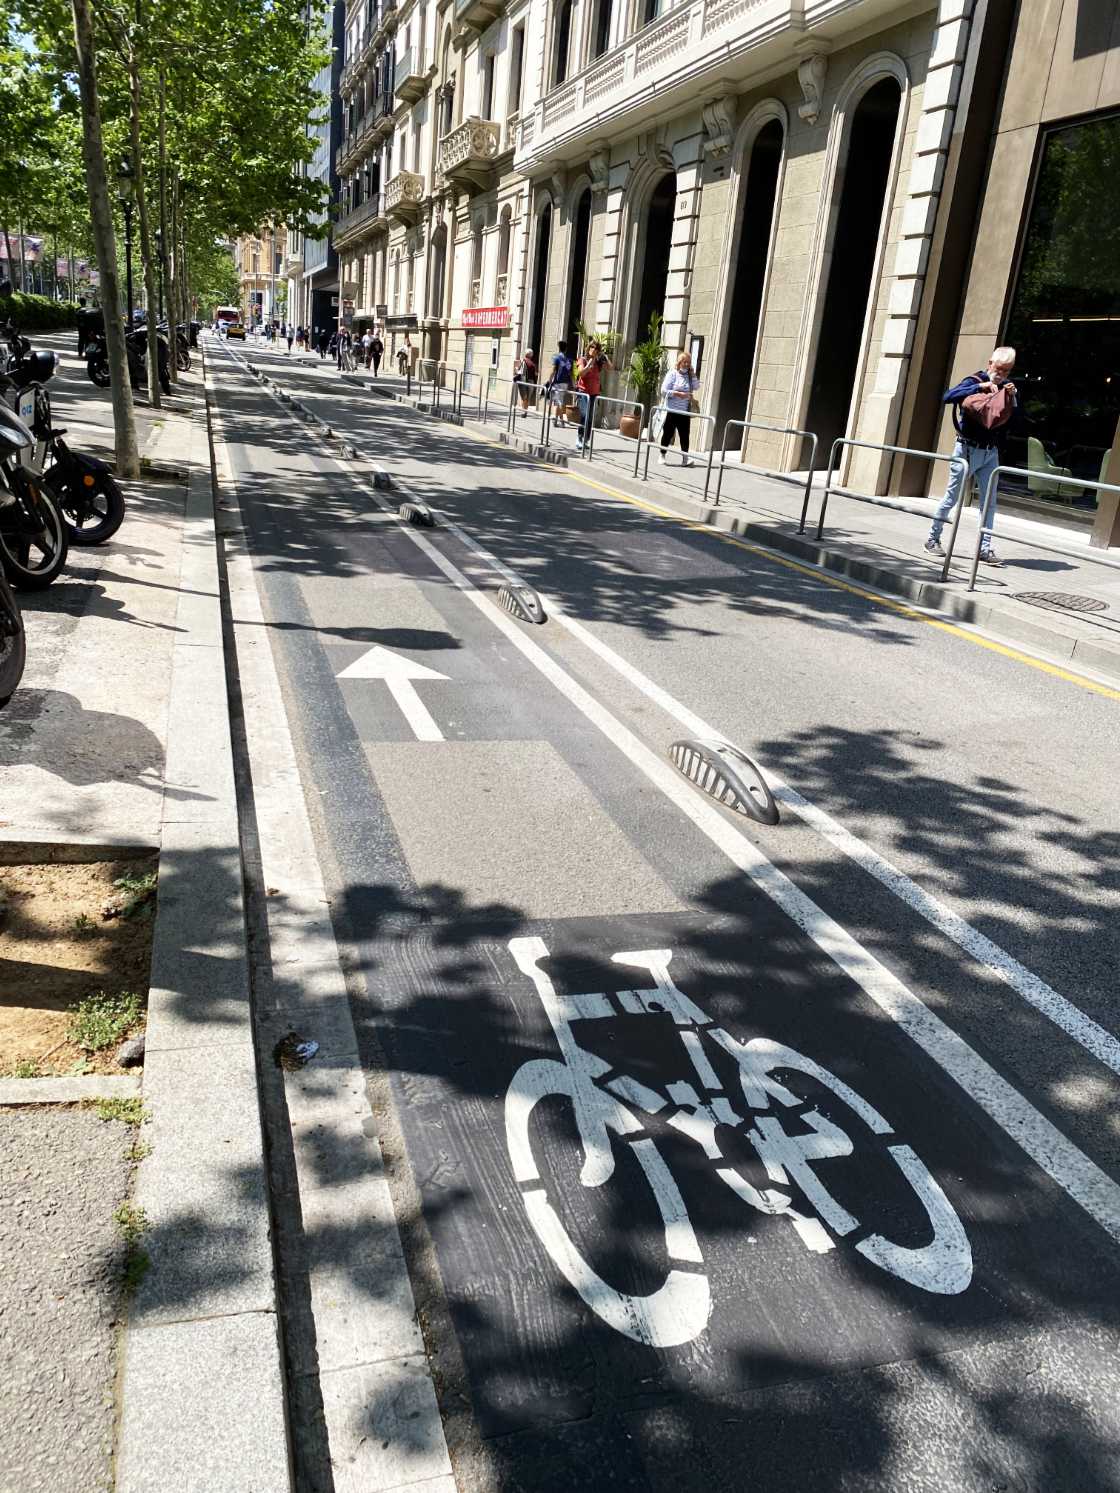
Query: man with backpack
560,379
982,406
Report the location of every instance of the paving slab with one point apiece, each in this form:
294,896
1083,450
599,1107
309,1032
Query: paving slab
203,1408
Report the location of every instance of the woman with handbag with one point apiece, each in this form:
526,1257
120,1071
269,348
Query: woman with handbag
589,383
676,394
525,376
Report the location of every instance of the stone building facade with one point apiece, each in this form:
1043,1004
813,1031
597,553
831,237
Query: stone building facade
430,216
260,259
827,201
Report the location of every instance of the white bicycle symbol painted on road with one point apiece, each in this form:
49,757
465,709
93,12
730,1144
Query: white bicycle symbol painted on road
605,1107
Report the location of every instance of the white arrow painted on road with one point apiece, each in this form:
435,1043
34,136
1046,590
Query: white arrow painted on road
398,673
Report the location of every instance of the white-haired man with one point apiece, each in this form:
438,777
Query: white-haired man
977,452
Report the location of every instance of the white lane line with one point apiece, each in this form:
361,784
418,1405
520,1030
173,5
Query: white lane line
1056,1007
1074,1172
368,1345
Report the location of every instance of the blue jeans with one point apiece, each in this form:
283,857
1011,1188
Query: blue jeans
586,413
969,461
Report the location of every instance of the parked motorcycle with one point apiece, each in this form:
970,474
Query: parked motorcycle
92,504
33,542
13,643
136,347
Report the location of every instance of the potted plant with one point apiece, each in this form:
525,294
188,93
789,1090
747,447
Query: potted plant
647,369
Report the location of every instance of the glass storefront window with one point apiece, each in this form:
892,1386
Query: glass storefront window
1065,315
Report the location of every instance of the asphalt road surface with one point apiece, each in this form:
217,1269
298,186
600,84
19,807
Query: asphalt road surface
750,1157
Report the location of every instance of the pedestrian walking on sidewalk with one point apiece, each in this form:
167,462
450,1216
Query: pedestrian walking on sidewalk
376,353
677,390
981,423
291,335
324,341
526,375
589,382
560,379
367,338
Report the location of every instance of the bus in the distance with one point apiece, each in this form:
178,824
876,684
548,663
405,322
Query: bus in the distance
226,317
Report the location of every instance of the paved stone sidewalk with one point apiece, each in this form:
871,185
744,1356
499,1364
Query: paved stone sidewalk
62,1174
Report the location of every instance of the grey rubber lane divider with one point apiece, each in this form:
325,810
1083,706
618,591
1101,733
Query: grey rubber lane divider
417,513
727,775
522,602
202,1393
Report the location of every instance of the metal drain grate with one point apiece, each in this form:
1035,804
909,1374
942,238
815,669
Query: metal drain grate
1062,601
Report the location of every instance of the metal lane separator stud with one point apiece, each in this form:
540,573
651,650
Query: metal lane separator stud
417,513
523,603
727,775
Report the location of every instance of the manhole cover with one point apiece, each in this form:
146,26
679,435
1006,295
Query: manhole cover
1062,601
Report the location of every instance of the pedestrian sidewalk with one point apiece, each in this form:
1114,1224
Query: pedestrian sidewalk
118,739
1063,606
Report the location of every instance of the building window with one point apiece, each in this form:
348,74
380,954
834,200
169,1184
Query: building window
516,70
1065,315
562,39
501,287
488,86
602,38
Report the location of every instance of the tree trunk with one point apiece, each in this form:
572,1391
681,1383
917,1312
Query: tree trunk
145,234
104,240
7,250
164,234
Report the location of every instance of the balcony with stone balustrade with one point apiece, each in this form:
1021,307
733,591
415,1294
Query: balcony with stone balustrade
468,152
706,46
404,196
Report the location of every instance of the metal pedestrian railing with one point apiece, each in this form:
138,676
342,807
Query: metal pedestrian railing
745,425
437,384
533,390
486,382
688,415
895,504
985,529
631,405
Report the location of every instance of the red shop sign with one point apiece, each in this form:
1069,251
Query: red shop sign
495,317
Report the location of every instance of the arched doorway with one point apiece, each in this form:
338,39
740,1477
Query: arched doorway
436,289
581,234
864,200
657,239
540,281
756,221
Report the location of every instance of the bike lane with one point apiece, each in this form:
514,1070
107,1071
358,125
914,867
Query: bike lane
812,1365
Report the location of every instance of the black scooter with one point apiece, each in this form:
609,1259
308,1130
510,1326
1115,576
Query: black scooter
136,346
33,542
91,503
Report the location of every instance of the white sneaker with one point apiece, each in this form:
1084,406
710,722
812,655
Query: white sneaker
686,461
933,547
661,459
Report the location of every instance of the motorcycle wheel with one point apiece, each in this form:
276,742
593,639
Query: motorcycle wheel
183,360
33,561
92,513
99,375
13,644
165,382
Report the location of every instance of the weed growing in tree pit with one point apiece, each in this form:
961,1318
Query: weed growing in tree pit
139,899
102,1019
128,1111
27,1068
84,927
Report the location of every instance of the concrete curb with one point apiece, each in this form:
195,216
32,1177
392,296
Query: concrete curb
202,1387
77,1090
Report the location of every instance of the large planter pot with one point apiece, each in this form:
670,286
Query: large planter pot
630,426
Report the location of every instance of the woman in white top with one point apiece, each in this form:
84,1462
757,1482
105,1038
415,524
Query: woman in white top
676,392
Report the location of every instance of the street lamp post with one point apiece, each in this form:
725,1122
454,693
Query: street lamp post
125,187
